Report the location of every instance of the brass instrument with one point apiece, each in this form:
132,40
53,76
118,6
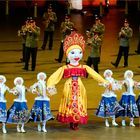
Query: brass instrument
68,28
29,28
47,22
123,32
22,32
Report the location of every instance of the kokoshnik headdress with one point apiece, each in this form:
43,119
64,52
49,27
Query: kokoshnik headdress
73,41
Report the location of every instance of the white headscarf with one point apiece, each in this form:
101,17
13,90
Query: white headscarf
3,78
41,73
107,71
127,72
18,78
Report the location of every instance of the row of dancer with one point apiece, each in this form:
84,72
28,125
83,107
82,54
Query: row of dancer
19,113
73,105
109,107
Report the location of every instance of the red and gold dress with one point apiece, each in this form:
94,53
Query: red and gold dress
73,105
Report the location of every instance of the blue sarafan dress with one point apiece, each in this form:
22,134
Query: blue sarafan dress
109,106
41,109
3,111
128,101
18,112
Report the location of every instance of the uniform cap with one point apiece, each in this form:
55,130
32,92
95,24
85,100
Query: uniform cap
97,17
125,21
67,16
50,6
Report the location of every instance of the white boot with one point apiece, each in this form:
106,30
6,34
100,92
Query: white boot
114,123
106,123
4,128
131,122
44,127
123,123
39,127
22,128
18,128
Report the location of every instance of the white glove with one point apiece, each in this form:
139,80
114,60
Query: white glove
52,90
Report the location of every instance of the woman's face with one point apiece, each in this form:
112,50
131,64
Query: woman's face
75,55
129,75
42,77
1,80
108,74
19,82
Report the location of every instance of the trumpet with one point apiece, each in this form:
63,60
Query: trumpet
122,33
22,32
50,17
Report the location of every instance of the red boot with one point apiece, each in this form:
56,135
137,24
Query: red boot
71,125
75,126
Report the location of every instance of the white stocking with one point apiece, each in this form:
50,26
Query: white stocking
4,128
44,126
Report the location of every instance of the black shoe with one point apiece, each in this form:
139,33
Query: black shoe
125,66
25,69
22,60
114,64
136,51
138,66
33,69
43,48
57,60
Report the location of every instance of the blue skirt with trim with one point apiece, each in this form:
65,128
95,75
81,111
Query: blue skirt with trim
3,112
41,111
108,107
130,108
18,113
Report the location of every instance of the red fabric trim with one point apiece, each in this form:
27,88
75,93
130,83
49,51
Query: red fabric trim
74,65
75,72
73,119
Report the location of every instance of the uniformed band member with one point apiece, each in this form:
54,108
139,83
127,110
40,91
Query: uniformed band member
32,33
94,42
138,48
124,36
66,28
22,34
49,20
99,28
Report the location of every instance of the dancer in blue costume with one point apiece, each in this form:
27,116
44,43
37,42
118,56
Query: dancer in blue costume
40,111
3,111
109,105
128,99
18,112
